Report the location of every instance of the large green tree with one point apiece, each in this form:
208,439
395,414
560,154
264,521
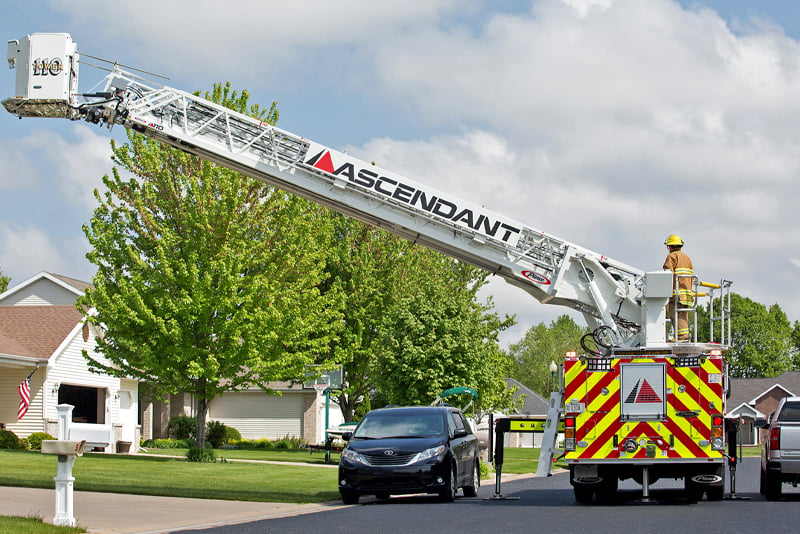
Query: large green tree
372,270
540,346
4,280
440,336
208,281
379,274
796,345
761,338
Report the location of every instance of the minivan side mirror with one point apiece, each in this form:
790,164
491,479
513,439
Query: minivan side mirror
347,436
460,433
760,423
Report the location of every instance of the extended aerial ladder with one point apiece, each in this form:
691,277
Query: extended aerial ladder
626,303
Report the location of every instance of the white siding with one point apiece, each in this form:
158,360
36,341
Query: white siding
10,379
42,292
70,367
258,415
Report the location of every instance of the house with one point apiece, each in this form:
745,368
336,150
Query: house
42,334
42,331
754,399
299,410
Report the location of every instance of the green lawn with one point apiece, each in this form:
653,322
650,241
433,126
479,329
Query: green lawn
32,525
175,478
276,455
523,460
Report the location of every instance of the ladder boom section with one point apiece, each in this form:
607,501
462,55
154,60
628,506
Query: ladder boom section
550,269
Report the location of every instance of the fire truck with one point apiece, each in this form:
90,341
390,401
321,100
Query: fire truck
634,404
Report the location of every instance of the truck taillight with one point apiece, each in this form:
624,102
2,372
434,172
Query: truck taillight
569,433
775,439
717,443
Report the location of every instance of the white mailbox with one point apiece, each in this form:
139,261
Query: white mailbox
63,447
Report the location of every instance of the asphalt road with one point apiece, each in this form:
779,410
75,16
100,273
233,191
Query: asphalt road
547,505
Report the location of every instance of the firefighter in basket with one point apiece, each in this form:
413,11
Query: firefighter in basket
681,265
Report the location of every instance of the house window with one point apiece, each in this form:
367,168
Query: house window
89,403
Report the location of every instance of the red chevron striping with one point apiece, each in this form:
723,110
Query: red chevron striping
685,440
573,385
703,429
602,412
599,442
605,381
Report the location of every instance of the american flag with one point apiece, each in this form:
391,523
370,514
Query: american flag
24,396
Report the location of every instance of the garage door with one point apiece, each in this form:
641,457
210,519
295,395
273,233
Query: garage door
257,415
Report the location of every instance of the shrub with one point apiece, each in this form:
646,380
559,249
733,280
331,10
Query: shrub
196,454
486,471
289,442
9,440
231,434
167,443
182,427
35,440
215,433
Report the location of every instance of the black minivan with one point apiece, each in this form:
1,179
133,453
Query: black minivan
400,450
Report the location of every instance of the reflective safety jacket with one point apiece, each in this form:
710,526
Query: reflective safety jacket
680,264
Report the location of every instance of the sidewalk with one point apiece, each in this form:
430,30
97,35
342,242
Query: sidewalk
111,513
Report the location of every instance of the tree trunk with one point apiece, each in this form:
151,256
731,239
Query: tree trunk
347,407
200,432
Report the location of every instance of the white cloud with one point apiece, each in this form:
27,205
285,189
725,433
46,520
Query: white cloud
76,163
15,169
250,39
25,251
609,123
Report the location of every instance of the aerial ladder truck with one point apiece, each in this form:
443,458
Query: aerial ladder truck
635,405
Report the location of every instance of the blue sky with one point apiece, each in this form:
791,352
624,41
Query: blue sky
610,123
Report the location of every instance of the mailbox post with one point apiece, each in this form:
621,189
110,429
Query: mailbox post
67,451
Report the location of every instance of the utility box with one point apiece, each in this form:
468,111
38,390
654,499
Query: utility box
63,447
47,75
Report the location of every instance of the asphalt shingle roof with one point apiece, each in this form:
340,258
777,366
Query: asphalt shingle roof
35,331
534,404
745,390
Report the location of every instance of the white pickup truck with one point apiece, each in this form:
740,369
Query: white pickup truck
780,457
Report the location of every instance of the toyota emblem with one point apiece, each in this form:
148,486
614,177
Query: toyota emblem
389,453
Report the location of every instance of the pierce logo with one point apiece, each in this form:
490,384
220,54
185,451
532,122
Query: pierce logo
707,479
536,277
643,393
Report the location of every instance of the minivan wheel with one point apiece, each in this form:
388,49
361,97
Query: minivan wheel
471,490
449,493
349,496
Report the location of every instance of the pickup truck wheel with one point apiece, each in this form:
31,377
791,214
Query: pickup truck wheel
772,486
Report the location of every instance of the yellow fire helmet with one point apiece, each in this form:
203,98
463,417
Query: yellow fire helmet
674,239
